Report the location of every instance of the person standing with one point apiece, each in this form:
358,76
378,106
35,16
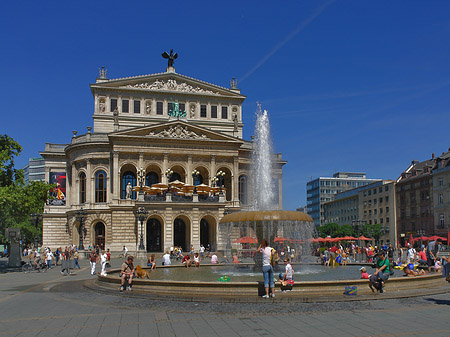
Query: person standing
267,268
93,261
65,265
49,259
411,253
76,256
202,251
433,252
103,260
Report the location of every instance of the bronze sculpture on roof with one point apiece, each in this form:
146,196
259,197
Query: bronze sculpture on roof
171,57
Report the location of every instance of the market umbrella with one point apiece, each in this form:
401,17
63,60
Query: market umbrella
176,183
153,190
315,240
246,239
348,238
435,237
421,238
281,239
448,236
363,238
161,185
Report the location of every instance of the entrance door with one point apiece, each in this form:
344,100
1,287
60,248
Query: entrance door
204,233
179,238
100,235
154,236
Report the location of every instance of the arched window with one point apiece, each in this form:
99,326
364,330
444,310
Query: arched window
128,177
82,188
243,190
100,186
198,180
175,176
151,178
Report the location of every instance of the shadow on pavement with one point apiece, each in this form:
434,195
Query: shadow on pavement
437,301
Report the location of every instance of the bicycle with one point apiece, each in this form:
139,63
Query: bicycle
31,266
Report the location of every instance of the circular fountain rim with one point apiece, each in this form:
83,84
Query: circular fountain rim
278,215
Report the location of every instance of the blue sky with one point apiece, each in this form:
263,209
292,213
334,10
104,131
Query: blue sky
349,85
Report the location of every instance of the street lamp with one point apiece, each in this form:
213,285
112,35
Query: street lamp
357,224
80,215
220,175
36,218
141,215
195,174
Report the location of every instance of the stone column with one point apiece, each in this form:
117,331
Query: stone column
141,160
212,167
195,229
189,179
165,167
168,228
90,183
143,107
235,181
116,174
74,187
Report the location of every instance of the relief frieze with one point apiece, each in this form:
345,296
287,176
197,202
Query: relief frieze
172,85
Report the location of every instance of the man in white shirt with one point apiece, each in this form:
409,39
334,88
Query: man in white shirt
166,259
49,258
411,253
103,259
202,251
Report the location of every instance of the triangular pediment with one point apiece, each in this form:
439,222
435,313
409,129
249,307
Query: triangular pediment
167,83
175,130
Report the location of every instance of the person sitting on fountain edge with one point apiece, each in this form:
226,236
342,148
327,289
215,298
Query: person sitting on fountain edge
287,279
126,273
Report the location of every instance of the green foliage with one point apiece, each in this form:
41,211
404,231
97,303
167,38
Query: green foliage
17,200
9,149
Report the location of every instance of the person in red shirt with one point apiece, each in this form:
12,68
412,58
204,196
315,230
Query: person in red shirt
187,261
422,256
332,252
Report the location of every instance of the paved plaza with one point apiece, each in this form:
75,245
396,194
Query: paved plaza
49,304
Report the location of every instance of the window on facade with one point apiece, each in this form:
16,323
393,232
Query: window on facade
365,193
125,105
374,191
224,112
386,188
375,201
243,195
440,199
387,220
169,107
203,111
380,189
387,199
370,192
151,178
100,186
159,108
381,220
113,104
182,107
387,209
137,106
213,111
440,182
128,177
82,188
381,211
441,221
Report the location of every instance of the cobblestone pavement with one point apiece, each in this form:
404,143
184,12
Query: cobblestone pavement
49,304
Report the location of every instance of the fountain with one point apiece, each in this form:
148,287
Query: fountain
265,220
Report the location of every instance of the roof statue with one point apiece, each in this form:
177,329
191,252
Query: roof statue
171,58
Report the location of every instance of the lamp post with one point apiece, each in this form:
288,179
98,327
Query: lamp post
357,224
80,215
195,174
141,183
141,215
36,218
220,175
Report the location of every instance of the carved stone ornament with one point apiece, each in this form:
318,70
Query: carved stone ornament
148,107
172,85
177,131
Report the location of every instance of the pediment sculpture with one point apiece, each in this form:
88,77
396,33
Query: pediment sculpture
172,85
177,131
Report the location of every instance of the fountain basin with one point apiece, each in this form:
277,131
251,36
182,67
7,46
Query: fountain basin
306,291
257,216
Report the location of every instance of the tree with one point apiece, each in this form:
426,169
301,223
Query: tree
17,200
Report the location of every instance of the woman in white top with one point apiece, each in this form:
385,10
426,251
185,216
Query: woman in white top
266,252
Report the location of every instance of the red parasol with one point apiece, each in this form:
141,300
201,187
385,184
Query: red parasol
435,237
348,238
421,238
363,238
411,238
281,239
246,239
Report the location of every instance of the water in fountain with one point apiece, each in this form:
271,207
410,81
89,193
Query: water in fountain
288,227
262,191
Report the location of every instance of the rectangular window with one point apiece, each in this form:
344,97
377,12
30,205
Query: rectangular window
387,198
381,200
387,220
440,182
374,191
224,112
440,199
203,111
381,220
169,107
137,107
370,192
213,111
380,189
125,104
386,188
381,211
441,221
159,108
181,107
375,201
113,104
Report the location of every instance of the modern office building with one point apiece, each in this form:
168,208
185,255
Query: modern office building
323,189
34,170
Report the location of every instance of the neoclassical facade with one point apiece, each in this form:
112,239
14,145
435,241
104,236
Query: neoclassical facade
150,125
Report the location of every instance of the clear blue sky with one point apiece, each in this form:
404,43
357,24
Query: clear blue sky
349,85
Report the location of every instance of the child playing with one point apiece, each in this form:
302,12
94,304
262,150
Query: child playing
187,261
287,280
364,274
